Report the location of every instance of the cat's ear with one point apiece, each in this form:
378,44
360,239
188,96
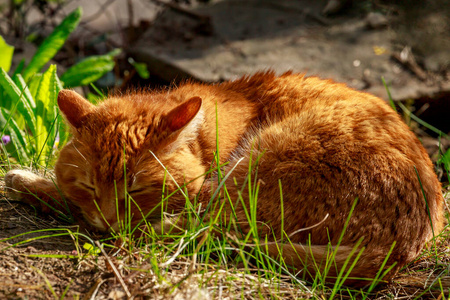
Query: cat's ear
74,107
183,114
181,124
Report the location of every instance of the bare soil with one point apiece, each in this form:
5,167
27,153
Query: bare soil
72,273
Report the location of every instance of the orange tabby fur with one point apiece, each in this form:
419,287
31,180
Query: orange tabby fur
326,143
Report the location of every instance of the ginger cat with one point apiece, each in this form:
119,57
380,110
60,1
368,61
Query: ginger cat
326,143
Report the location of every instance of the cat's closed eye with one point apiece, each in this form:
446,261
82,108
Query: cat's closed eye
138,191
87,187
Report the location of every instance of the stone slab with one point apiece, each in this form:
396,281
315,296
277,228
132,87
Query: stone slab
227,39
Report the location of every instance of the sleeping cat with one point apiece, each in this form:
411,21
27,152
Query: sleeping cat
324,143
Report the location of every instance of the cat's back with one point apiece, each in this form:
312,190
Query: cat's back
331,143
330,111
290,94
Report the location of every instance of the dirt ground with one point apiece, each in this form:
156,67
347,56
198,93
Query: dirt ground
22,275
57,268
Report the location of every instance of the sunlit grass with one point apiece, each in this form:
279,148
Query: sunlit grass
209,252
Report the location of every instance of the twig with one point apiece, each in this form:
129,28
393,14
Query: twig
94,289
113,267
407,59
99,12
130,13
175,255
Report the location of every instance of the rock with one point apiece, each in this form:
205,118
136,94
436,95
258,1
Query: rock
376,20
438,62
334,6
249,38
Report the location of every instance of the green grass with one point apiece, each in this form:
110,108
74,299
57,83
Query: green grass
206,255
208,248
209,252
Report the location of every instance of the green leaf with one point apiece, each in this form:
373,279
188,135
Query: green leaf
45,112
89,69
445,160
11,90
62,129
27,105
5,98
53,117
92,250
63,132
3,122
21,84
52,43
33,84
141,68
17,137
6,54
19,96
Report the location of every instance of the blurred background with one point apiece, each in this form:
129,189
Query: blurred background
162,42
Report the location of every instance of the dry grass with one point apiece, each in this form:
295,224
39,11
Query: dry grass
58,268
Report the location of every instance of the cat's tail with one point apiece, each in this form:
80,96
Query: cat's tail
351,266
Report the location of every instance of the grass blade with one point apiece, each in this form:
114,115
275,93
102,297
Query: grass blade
445,160
420,121
391,101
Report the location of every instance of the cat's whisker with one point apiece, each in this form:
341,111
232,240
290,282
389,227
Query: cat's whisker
140,172
71,165
75,147
139,161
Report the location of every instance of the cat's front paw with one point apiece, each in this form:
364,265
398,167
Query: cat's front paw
18,183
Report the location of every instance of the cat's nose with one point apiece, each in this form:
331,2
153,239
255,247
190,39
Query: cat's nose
98,222
114,226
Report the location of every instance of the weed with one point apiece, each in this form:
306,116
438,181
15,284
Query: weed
30,123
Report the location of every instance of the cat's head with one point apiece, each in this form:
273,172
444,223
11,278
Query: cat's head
135,145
